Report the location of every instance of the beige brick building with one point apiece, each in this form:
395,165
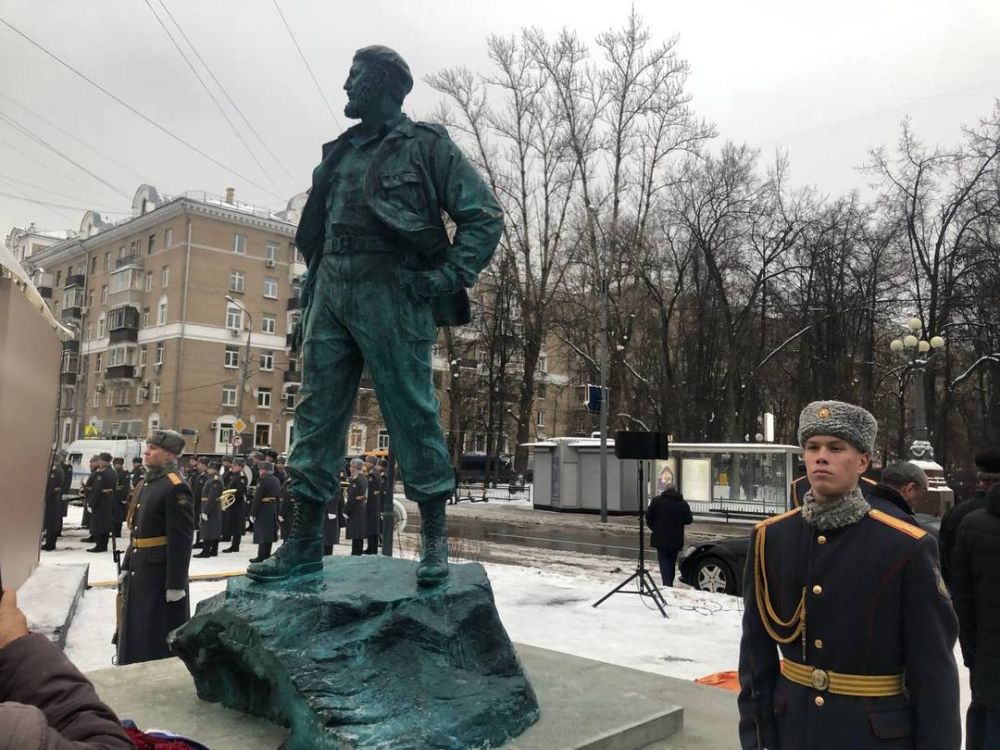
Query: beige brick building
183,313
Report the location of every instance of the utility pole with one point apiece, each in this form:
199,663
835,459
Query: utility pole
603,356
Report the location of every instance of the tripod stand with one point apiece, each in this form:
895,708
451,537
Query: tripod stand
645,585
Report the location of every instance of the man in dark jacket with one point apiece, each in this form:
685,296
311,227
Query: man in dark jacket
137,471
975,586
667,515
122,487
85,485
373,505
234,515
987,474
356,507
901,486
384,272
53,505
334,520
154,575
101,495
264,511
853,602
45,702
195,479
210,518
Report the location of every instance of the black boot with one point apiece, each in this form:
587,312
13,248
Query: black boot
433,567
327,550
263,553
302,552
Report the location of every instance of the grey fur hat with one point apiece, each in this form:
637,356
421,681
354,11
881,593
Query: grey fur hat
265,466
846,421
168,440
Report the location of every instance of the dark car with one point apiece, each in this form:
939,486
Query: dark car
717,565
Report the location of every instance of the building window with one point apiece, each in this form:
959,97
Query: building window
149,247
237,281
138,395
232,357
93,265
96,401
356,439
159,354
271,287
540,389
145,317
101,326
90,331
107,261
268,323
263,398
543,363
539,419
240,244
383,439
262,435
226,432
156,395
234,318
104,294
229,395
109,397
97,362
168,238
271,252
142,357
299,257
164,276
148,283
267,361
161,313
289,397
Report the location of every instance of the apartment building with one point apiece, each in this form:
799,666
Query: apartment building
183,313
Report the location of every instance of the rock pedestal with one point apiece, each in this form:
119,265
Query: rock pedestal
357,656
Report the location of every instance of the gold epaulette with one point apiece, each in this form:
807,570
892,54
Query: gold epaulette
775,519
175,478
897,523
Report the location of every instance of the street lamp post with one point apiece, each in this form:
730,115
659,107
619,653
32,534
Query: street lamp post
245,369
918,352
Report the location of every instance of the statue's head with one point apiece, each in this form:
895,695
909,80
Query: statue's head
377,74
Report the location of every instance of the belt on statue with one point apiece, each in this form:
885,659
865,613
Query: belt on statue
859,685
149,541
356,245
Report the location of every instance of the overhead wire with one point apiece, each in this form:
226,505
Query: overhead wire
211,96
229,98
44,189
336,120
26,155
132,109
25,197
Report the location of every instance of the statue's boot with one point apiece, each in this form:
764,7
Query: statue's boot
302,552
433,567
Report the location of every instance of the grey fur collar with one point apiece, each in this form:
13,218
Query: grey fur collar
837,514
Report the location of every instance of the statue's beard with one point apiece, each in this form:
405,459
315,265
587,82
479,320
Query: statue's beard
360,99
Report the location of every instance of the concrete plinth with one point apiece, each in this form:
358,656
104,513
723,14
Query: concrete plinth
49,599
585,704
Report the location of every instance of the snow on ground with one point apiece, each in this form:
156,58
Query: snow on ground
544,598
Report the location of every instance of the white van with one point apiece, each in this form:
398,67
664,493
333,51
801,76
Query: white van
80,452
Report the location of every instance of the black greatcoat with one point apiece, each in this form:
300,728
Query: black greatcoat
265,510
102,500
211,506
233,517
875,604
53,503
285,508
950,522
373,509
334,518
357,496
122,488
667,515
164,508
975,584
195,481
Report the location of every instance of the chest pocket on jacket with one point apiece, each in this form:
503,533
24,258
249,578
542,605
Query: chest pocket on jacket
404,191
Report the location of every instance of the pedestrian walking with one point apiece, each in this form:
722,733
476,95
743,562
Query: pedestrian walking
853,602
210,518
264,511
53,504
356,507
154,577
667,515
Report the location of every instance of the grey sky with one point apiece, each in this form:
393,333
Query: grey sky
826,81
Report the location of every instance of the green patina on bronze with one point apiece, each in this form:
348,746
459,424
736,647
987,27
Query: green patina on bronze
356,656
383,275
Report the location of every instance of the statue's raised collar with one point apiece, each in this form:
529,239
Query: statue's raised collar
403,126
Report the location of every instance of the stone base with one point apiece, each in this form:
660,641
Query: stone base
49,599
357,656
585,704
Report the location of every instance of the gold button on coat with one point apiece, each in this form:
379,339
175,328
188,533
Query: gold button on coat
821,539
818,643
819,700
817,589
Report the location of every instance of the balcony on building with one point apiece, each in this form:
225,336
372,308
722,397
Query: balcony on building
293,376
132,259
126,286
76,279
43,283
294,303
73,313
123,325
70,364
120,372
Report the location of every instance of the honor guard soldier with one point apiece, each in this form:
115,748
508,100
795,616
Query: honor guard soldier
234,511
102,501
122,487
154,576
137,471
210,518
853,602
374,505
356,507
264,511
53,504
195,479
85,485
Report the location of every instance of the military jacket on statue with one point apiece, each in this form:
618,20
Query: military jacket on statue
864,624
158,557
416,172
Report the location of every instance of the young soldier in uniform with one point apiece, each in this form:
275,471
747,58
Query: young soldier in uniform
195,479
374,506
85,485
154,574
853,601
102,501
264,511
122,486
137,471
233,517
53,504
210,518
